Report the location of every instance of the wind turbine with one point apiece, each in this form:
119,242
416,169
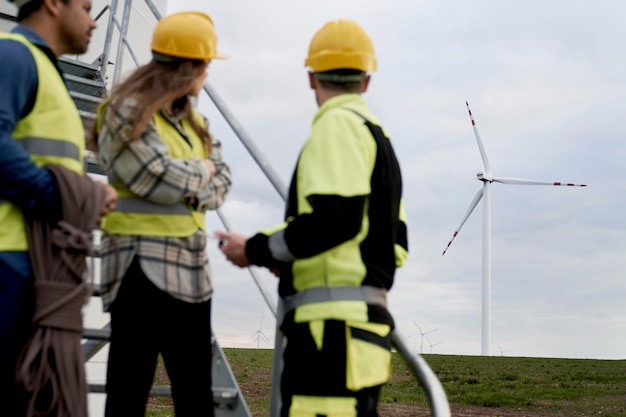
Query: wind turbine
259,335
503,351
414,349
487,178
423,334
432,344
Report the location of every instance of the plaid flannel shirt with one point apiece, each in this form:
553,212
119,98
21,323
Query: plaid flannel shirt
178,266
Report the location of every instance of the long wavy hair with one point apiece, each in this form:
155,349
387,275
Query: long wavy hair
158,85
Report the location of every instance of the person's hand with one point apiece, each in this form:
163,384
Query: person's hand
110,201
210,166
234,247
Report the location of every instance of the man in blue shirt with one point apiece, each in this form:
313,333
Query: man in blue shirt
56,27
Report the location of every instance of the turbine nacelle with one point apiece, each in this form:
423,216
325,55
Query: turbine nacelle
482,176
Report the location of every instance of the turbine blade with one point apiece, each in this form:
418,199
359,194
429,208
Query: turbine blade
471,208
522,181
481,148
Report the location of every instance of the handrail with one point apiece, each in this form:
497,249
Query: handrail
256,154
255,276
153,9
124,40
123,31
101,12
435,393
108,40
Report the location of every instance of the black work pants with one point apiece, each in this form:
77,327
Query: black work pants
146,321
321,373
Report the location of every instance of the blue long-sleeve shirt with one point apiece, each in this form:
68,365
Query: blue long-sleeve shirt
31,188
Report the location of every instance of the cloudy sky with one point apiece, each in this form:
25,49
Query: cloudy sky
546,82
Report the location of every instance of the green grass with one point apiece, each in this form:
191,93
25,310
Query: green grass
533,386
573,386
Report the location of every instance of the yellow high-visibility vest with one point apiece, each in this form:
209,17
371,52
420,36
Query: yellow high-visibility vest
139,217
344,125
52,133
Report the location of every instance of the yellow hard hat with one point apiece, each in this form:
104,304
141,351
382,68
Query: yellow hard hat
189,35
341,44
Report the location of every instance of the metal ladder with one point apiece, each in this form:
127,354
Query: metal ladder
227,397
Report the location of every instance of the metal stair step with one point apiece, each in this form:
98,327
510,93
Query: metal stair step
84,97
97,334
83,80
79,68
87,115
89,120
225,398
93,88
86,103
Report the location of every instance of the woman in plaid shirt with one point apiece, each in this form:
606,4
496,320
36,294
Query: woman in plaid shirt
168,170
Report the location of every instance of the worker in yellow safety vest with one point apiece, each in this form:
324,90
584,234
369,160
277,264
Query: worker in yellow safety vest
343,237
39,125
168,170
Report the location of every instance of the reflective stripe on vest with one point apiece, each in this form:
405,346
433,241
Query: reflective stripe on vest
138,205
369,294
50,147
52,133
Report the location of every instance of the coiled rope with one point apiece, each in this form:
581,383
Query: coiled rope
51,367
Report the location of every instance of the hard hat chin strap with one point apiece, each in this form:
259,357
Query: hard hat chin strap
164,58
340,78
19,3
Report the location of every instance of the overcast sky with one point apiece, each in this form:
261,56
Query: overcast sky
546,84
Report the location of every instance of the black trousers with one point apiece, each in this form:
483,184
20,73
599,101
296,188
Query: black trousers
146,321
313,372
16,313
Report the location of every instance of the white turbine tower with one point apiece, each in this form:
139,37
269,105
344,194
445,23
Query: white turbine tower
487,178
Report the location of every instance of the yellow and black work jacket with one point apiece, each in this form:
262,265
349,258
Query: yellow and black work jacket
345,225
52,133
136,216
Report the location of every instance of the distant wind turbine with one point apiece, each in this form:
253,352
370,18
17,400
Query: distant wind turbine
259,335
432,344
414,349
423,334
502,352
487,178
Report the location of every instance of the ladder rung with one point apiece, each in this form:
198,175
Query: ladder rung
85,97
222,397
87,115
75,63
225,398
97,334
80,80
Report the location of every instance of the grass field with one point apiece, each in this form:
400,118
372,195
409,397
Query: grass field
475,385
